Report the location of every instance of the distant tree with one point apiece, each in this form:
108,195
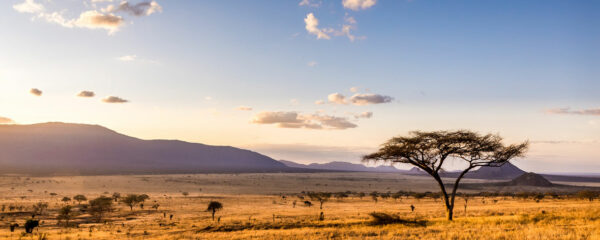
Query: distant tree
589,195
374,196
213,207
66,213
155,206
429,151
131,200
116,196
40,207
185,194
308,203
79,198
99,206
322,197
142,197
466,199
340,195
361,195
53,194
66,199
396,196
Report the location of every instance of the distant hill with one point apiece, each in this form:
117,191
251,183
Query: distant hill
530,179
506,171
63,148
342,166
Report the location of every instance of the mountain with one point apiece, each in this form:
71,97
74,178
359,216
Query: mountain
342,166
530,179
63,148
506,171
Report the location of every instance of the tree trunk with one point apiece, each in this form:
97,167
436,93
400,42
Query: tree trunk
213,214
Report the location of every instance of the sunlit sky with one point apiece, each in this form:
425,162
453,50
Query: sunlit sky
311,81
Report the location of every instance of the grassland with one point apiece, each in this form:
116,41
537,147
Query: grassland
255,209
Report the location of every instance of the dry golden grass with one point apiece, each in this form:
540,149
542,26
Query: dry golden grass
269,216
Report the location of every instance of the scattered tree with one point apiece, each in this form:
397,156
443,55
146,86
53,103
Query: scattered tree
589,195
31,224
213,207
79,198
430,150
66,199
99,206
322,197
66,213
185,194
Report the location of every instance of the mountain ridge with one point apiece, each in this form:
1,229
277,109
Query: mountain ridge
57,147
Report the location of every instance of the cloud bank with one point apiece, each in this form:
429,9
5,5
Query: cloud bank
591,112
358,4
309,121
114,99
359,99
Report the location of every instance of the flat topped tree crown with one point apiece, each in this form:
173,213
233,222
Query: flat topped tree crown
430,150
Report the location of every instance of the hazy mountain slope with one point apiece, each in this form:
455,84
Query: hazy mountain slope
92,149
342,166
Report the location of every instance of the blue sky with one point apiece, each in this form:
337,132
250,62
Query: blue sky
523,69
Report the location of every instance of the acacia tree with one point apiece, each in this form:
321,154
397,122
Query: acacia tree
213,207
430,150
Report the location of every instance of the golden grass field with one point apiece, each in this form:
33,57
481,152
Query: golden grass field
254,209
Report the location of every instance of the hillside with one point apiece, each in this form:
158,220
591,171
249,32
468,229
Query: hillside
63,148
342,166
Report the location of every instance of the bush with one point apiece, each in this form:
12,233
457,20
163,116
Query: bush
381,218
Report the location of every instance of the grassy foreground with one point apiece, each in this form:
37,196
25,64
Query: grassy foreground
274,217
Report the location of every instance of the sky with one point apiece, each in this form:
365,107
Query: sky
309,80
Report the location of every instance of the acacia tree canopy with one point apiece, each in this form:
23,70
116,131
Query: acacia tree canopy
430,150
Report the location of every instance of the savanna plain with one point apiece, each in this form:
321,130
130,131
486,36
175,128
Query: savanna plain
281,206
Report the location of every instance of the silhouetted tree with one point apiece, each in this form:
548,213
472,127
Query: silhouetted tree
79,198
116,196
308,203
322,197
185,194
66,199
66,213
430,150
99,206
39,208
213,207
131,200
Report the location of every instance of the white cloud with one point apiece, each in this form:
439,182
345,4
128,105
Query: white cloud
350,19
35,92
337,98
244,108
312,26
364,115
29,6
319,102
369,98
354,89
86,94
309,3
294,102
592,111
309,121
358,4
91,19
127,58
312,63
113,99
139,9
